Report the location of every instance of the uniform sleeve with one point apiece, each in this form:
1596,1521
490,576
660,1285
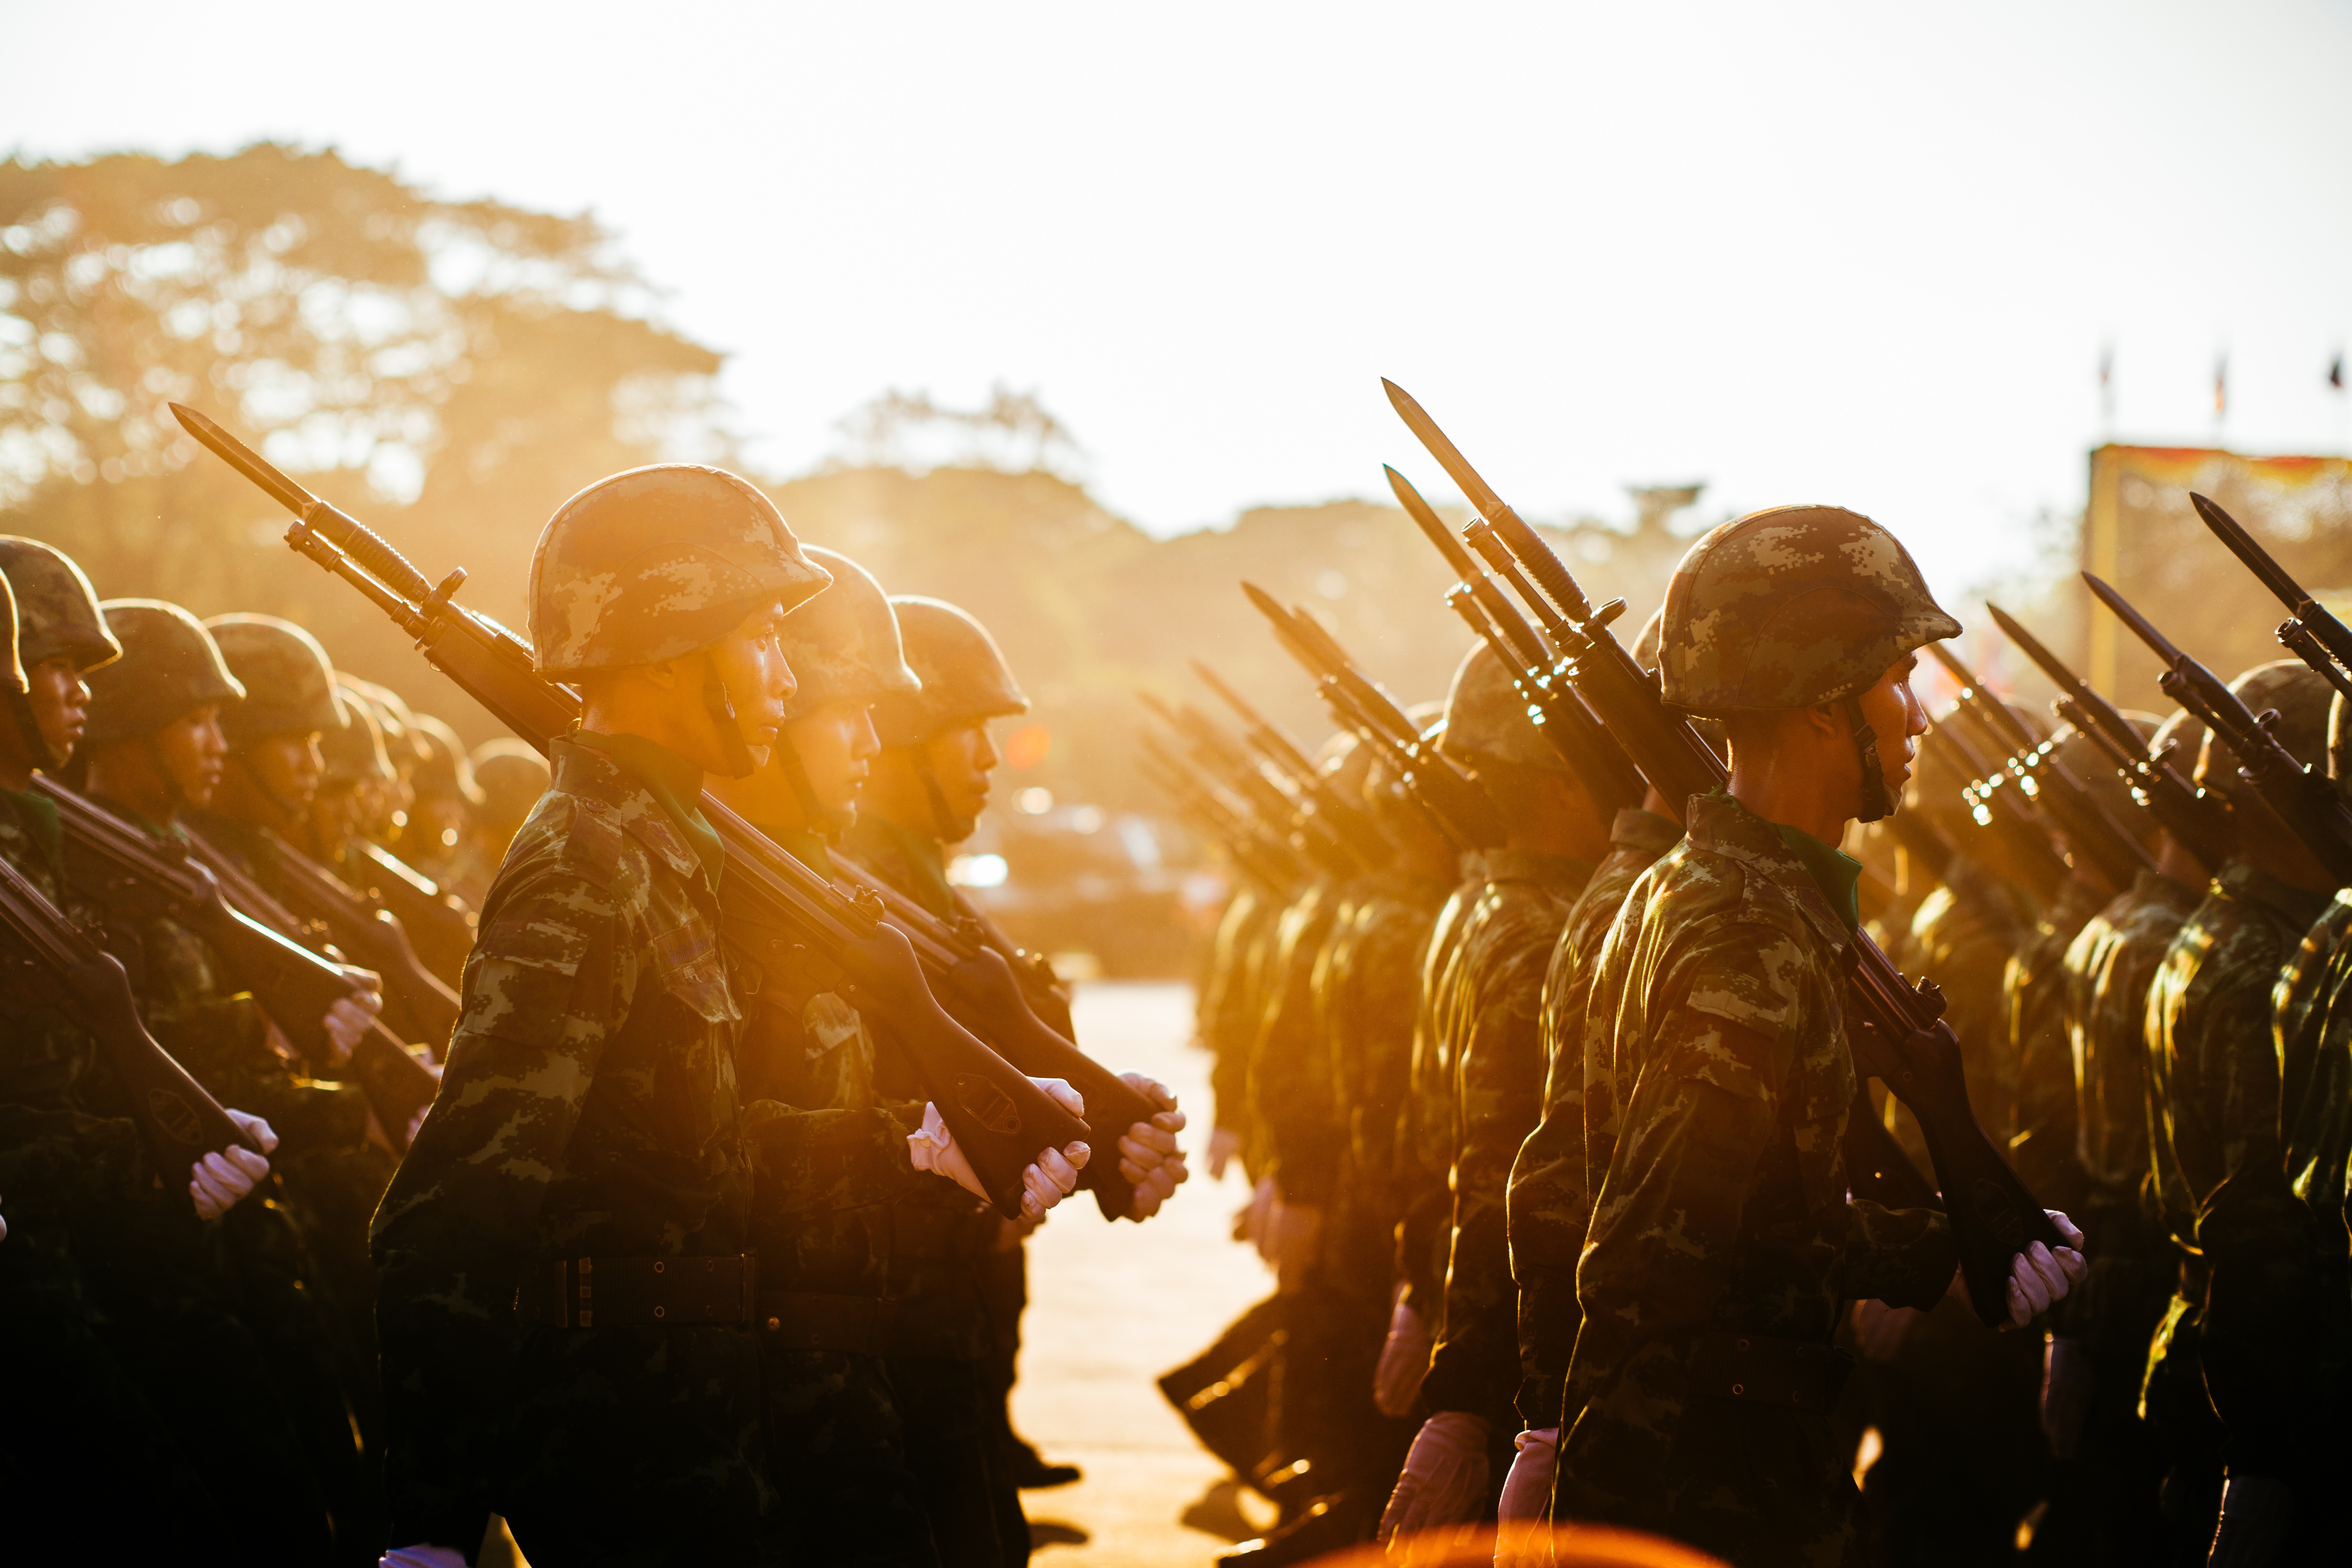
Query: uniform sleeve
1665,1229
1475,1365
1904,1257
1290,1085
551,980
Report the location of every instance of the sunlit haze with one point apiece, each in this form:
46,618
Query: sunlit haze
1863,255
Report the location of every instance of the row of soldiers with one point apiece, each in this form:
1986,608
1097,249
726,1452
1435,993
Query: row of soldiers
373,1335
1550,1140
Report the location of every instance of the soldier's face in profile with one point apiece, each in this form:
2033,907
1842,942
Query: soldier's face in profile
1892,710
289,765
60,701
192,750
750,661
837,745
962,758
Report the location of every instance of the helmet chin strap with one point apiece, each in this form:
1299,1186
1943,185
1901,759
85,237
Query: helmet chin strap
722,709
951,829
162,766
1876,801
268,791
28,725
828,822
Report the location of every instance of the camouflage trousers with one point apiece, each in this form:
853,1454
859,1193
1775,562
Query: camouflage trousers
639,1445
1756,1486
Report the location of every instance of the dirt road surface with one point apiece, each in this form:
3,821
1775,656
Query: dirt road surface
1112,1307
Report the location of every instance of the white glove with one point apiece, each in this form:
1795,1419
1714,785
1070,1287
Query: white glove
1404,1359
1147,1142
218,1180
2041,1276
1527,1497
2068,1379
1443,1486
422,1556
1255,1223
3,1227
1223,1144
350,1017
1052,1178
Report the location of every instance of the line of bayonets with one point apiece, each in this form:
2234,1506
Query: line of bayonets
1261,794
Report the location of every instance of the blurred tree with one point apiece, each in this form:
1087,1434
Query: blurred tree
450,371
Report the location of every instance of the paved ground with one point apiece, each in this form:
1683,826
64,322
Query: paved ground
1112,1307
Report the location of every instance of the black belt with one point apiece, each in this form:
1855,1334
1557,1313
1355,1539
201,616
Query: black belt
1757,1369
863,1325
627,1292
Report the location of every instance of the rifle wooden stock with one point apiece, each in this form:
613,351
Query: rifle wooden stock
423,1006
439,926
1354,825
780,921
1907,1042
1218,754
177,1120
1993,800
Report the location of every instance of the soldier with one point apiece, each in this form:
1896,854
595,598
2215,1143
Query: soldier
928,785
124,1357
437,836
590,1137
511,777
1723,1245
1555,833
2214,1088
2098,1348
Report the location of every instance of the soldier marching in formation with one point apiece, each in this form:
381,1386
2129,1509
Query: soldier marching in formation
625,1136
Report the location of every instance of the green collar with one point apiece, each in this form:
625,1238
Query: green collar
676,784
927,863
38,813
1835,872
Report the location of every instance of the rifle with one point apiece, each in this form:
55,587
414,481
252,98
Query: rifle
1257,848
440,927
1537,673
177,1120
2303,798
127,869
1217,755
2034,858
1363,836
778,918
2311,632
1993,1216
422,1002
2199,822
1452,800
2050,783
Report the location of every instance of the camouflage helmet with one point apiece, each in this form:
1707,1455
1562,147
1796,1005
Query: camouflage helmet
511,777
1791,607
170,666
401,744
445,769
2339,742
652,562
1488,721
12,674
963,673
56,609
356,754
2301,696
844,644
289,684
1646,641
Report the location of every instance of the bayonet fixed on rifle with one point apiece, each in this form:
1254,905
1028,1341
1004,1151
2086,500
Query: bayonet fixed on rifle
781,922
1254,851
1348,820
1537,672
2311,632
2199,822
1452,800
1993,1216
2034,859
2049,783
440,927
177,1120
2300,794
1223,757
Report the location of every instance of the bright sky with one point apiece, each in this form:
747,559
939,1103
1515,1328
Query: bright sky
1865,255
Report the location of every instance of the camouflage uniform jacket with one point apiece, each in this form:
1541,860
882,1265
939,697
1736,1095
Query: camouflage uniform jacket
1550,1196
1370,986
2213,1064
1221,1013
1496,1047
2312,1022
1720,1001
195,1008
60,1155
1290,1084
1961,937
589,1105
2043,1136
1425,1156
2109,967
